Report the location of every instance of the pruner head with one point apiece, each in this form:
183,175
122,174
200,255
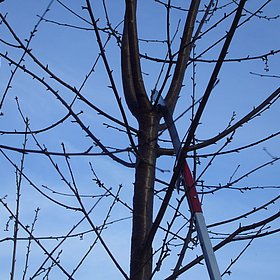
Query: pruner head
157,99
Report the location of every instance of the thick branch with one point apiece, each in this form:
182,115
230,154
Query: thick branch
131,26
110,76
183,57
127,77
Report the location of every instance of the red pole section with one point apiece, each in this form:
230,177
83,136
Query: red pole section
191,192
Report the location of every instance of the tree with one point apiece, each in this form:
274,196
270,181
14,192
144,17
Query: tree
83,79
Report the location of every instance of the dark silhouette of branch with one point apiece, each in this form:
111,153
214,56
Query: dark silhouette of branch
238,26
259,14
194,124
184,247
32,34
17,211
253,113
46,152
128,84
28,249
245,215
227,240
34,185
233,261
183,57
239,59
58,79
67,236
37,131
186,47
56,262
265,75
109,72
178,53
131,49
73,187
237,150
70,110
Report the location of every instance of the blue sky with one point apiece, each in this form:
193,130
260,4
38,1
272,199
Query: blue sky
70,54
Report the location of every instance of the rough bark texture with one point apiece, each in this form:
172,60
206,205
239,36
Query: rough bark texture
141,264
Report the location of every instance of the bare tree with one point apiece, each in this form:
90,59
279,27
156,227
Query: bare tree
78,105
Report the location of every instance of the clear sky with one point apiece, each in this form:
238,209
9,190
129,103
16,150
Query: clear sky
70,53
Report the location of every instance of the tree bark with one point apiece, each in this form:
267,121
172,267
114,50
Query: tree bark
141,258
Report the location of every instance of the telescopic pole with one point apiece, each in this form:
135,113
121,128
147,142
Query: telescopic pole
192,196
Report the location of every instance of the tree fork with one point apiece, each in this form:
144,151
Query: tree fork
141,258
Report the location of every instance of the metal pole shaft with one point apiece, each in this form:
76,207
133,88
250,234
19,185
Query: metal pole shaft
194,203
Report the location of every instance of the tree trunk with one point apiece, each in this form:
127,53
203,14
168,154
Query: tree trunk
141,258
